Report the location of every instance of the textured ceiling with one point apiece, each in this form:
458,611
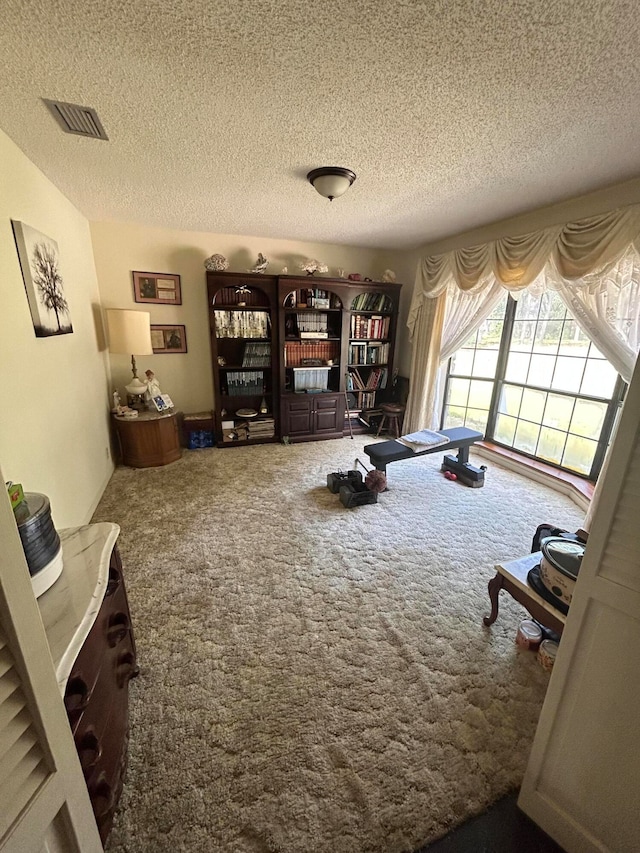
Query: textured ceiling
452,114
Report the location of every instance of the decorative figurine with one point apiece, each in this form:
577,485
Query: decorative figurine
389,276
340,273
242,292
117,402
284,270
216,263
261,264
354,276
311,266
153,389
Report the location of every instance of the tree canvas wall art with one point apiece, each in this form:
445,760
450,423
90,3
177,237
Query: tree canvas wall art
40,263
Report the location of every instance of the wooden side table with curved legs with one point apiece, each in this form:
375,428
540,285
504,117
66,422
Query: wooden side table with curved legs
151,439
512,577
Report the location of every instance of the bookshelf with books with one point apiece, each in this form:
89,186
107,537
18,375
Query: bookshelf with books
289,359
243,320
369,369
335,340
311,336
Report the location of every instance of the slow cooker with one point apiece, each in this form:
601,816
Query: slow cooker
559,566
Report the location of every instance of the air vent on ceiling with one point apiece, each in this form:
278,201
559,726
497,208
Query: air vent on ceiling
73,118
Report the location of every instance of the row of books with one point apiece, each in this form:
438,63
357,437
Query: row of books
368,352
245,382
375,381
312,325
300,353
257,354
364,400
372,302
242,324
369,327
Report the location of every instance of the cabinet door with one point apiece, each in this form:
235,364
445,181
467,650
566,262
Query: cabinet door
297,418
328,414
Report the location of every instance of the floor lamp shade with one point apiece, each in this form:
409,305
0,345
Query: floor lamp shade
129,331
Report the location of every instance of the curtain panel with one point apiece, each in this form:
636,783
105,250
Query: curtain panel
571,258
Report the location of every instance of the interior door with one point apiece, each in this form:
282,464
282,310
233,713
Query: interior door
44,804
583,777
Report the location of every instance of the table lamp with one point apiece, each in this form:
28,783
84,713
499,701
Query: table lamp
130,334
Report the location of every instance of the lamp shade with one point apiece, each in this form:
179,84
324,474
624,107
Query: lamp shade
331,181
129,331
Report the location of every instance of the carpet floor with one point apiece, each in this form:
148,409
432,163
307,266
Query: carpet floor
315,678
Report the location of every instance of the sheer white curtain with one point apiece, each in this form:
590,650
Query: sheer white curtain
465,313
606,306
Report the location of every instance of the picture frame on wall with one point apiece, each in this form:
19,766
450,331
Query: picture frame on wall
43,281
160,288
168,339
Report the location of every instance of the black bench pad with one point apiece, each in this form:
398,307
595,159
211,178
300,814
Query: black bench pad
384,452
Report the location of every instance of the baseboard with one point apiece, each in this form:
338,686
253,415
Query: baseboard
553,482
94,503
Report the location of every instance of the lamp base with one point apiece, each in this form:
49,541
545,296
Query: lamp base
136,401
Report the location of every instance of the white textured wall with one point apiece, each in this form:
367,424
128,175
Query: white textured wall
54,431
120,248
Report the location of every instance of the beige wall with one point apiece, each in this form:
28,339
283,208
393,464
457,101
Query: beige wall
54,434
120,248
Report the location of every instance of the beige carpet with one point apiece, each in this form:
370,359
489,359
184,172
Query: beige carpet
316,678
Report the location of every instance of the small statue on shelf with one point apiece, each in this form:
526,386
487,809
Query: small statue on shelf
261,264
389,277
153,389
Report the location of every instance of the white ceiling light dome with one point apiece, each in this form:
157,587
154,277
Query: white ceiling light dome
331,181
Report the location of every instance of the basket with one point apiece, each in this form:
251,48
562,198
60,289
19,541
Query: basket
357,494
342,478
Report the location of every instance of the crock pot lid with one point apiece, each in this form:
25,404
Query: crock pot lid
563,554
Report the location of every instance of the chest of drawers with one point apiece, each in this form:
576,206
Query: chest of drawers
88,626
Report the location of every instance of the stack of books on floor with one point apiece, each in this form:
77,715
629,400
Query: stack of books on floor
264,428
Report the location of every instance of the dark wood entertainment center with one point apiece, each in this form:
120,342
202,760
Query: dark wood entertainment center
291,348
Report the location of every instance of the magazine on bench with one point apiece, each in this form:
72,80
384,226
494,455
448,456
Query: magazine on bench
423,440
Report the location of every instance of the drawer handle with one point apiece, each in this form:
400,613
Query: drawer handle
76,697
89,752
102,799
114,581
126,668
118,629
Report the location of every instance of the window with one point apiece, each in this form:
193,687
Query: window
532,381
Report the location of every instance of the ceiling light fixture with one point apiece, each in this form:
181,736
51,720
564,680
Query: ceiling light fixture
331,181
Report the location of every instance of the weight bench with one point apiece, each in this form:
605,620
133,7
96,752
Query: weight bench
460,438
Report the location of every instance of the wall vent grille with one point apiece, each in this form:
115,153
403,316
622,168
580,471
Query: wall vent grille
74,118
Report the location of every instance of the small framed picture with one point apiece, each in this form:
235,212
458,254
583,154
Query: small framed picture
163,288
163,402
168,339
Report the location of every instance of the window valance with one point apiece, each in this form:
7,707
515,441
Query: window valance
593,263
575,250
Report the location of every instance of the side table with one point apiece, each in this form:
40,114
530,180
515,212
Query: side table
151,439
512,577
